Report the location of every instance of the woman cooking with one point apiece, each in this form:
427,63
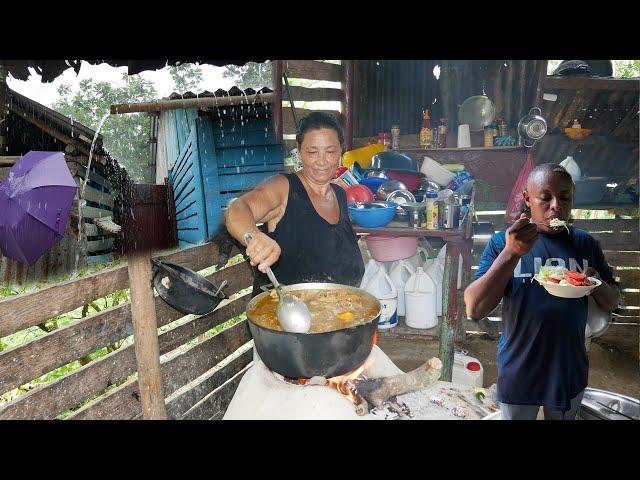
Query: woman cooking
308,237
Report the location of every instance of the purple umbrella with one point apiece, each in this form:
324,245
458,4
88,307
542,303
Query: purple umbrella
35,201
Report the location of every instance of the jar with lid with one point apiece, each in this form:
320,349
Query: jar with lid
488,136
387,140
503,128
395,137
442,133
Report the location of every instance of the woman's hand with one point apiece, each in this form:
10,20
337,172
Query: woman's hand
263,251
521,236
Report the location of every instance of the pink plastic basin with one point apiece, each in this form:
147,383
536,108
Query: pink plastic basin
388,249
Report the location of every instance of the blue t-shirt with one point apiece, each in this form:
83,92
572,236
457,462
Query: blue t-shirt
542,359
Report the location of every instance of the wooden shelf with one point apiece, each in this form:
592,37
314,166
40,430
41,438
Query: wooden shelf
470,149
446,235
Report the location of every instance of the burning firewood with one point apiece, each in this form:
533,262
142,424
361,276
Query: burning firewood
377,391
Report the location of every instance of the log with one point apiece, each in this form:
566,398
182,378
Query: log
377,391
145,337
202,102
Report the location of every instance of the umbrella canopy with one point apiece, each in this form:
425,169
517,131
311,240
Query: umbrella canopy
35,201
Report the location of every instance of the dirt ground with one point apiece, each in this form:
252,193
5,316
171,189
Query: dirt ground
608,369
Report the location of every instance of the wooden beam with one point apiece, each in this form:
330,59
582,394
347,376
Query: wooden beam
277,99
313,70
202,102
347,86
145,336
540,82
306,94
8,161
448,324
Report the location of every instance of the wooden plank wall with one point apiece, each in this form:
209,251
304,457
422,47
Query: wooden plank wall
199,374
310,70
621,245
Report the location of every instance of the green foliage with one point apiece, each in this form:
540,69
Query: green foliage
626,68
186,77
251,75
126,137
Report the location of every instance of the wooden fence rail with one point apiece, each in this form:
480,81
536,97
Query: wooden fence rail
189,373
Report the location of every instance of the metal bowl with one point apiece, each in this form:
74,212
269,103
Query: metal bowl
388,187
603,405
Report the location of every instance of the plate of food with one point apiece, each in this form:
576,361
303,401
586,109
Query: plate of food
560,282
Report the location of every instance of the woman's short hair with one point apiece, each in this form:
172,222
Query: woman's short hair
316,121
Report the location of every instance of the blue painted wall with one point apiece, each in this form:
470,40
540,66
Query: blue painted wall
219,156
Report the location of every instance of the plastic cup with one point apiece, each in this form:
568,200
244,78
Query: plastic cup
464,136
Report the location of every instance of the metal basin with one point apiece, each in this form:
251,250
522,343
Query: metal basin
603,405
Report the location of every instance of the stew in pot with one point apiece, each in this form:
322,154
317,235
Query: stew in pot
331,309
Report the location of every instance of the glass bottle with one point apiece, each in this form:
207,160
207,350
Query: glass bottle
425,131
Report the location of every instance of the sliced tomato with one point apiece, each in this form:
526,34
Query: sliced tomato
573,281
552,280
576,275
587,283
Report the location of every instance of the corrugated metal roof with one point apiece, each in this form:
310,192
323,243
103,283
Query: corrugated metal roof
51,69
232,92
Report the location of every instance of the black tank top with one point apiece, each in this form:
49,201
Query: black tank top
313,250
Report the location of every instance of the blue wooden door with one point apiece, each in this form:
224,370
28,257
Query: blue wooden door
188,192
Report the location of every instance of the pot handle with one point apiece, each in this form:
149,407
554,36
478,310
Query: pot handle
524,142
535,108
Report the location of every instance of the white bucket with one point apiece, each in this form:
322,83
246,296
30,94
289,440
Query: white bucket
400,272
467,370
381,287
420,298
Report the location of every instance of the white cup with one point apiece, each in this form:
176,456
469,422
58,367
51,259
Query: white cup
464,137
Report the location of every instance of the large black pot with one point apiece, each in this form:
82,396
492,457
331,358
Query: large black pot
306,355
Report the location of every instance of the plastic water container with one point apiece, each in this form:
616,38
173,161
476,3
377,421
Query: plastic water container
400,272
436,272
420,297
467,370
381,287
370,269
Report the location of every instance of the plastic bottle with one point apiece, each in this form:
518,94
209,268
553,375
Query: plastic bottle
370,269
361,155
400,272
425,132
431,198
467,370
381,287
420,297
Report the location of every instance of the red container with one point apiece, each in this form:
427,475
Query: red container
410,179
359,193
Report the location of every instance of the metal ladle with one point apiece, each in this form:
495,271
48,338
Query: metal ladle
292,313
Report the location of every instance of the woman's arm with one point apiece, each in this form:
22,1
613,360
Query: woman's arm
266,202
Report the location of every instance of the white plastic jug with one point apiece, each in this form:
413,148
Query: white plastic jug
467,370
572,167
370,269
441,259
400,272
420,296
381,287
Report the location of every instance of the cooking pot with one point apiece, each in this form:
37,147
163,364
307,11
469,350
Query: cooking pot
305,355
532,127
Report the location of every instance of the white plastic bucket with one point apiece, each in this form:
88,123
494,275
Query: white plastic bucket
420,298
467,370
400,272
381,287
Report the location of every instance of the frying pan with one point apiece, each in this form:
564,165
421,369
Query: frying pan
185,290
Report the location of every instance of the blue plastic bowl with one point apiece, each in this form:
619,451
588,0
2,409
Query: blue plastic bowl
372,214
373,183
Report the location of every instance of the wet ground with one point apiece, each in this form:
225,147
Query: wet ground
609,369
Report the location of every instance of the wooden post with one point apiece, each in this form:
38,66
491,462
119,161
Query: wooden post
542,74
347,86
3,109
277,99
449,309
145,336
